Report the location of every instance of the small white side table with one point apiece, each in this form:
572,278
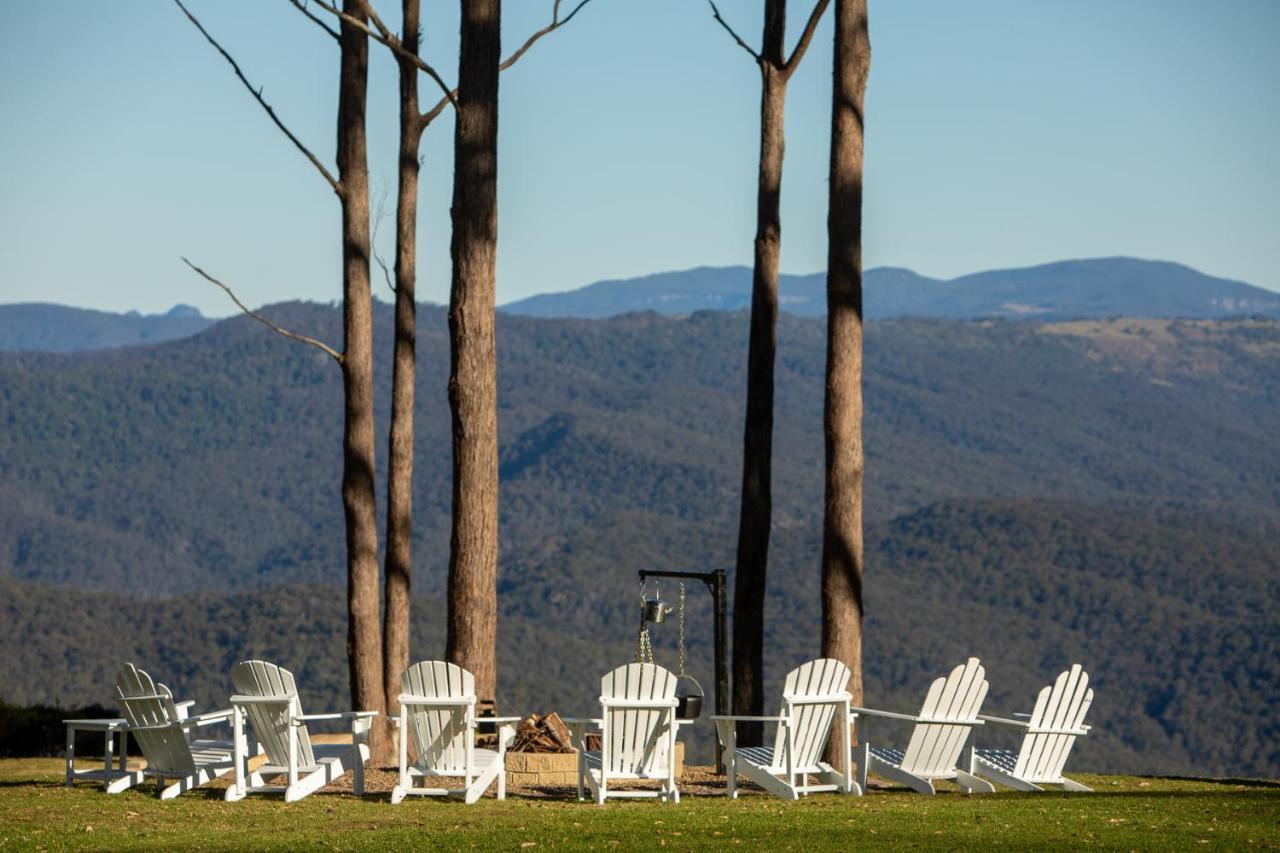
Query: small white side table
113,780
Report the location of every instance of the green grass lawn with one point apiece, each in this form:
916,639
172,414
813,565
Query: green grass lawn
37,812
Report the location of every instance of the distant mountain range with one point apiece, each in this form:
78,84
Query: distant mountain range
39,326
1086,289
1103,287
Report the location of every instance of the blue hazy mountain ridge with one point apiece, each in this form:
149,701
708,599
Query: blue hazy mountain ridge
1102,287
45,327
1102,490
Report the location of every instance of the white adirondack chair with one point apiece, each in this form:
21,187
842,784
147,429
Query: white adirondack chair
163,731
638,733
1050,731
268,696
438,707
950,710
814,699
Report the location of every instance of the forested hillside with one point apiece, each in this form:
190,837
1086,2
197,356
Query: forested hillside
1106,492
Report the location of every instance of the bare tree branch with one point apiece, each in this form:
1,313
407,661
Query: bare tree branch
301,6
716,14
379,214
385,37
257,94
805,37
556,23
334,354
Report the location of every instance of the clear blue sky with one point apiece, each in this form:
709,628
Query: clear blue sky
998,134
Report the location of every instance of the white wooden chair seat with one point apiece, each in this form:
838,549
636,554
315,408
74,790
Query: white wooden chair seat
814,702
326,756
1049,733
595,762
268,698
888,754
772,760
940,730
163,730
638,730
438,713
481,759
211,750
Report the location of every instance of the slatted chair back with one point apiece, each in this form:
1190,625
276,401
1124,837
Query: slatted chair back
935,745
270,721
810,722
1059,709
636,740
442,733
145,703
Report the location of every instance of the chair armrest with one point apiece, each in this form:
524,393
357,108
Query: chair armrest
189,723
1002,721
1028,716
640,704
263,700
410,699
583,721
871,712
819,699
499,720
728,717
343,715
207,719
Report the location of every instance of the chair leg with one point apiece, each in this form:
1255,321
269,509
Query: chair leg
970,784
864,759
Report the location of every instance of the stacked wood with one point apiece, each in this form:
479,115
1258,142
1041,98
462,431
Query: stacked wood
542,734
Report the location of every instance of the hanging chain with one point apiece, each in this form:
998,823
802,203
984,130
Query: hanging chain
644,645
682,627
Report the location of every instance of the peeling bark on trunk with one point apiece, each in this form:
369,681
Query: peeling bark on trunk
756,515
842,511
473,552
364,648
399,554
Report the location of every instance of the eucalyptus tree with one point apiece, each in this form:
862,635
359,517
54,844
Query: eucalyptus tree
359,501
756,512
842,545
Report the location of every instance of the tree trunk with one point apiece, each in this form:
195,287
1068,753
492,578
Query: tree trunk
473,551
399,554
364,651
756,515
842,510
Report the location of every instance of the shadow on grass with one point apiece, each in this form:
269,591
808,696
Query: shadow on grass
33,783
1247,783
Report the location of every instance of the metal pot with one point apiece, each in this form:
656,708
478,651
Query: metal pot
656,610
688,698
